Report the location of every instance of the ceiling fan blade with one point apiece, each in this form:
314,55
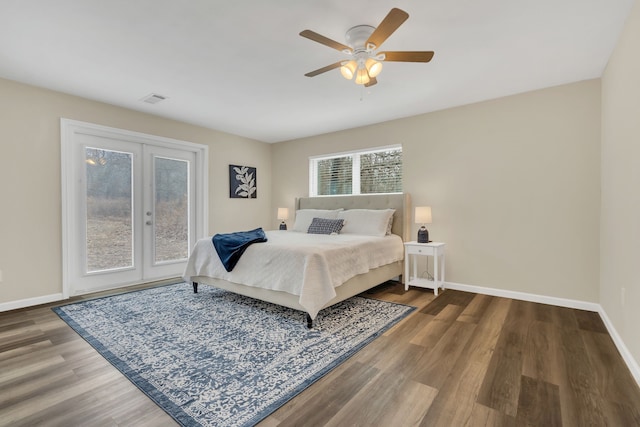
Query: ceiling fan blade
372,81
312,35
389,24
408,56
324,69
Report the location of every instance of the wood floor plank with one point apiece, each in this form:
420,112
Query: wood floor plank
447,297
19,324
122,402
622,414
12,340
612,378
80,412
590,321
16,352
581,402
475,310
21,368
418,297
332,398
545,313
394,292
457,397
564,318
33,410
409,407
374,352
404,355
31,386
501,386
481,416
400,401
542,354
409,327
538,404
431,333
435,365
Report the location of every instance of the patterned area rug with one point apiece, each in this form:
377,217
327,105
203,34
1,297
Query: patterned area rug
219,359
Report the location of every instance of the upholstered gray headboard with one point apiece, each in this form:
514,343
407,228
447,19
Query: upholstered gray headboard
400,202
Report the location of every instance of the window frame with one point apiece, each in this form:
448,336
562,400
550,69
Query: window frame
355,171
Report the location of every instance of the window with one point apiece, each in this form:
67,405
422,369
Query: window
360,172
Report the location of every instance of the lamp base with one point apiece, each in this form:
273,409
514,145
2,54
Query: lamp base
423,235
283,226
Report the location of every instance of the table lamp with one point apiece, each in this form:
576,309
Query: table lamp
423,216
283,214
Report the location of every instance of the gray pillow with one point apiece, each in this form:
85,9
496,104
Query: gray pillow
325,226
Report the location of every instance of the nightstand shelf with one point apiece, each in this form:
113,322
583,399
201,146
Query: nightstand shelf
433,249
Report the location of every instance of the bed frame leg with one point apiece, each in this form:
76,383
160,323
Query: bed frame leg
309,322
195,287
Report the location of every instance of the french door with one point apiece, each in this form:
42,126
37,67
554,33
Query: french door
132,209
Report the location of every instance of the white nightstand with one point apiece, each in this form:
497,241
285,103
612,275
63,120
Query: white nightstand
434,249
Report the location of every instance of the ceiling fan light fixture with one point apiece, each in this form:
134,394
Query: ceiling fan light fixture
373,67
362,77
349,69
363,41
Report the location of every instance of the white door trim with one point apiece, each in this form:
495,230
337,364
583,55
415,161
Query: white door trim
69,129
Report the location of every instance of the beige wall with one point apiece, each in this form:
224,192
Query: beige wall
513,184
30,212
620,225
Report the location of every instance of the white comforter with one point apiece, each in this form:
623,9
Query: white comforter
308,265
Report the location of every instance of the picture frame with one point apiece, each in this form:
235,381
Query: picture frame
243,182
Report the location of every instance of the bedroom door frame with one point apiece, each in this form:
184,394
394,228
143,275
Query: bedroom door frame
143,150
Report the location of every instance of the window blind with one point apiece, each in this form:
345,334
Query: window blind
381,172
362,172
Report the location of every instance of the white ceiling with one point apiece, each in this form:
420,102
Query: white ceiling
238,65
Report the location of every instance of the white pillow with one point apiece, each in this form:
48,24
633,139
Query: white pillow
390,225
368,222
305,216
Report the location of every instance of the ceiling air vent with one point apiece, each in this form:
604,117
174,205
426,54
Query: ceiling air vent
154,98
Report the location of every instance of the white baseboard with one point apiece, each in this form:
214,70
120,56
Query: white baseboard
632,364
622,348
45,299
29,302
523,296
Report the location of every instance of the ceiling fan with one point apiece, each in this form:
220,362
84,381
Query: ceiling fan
363,41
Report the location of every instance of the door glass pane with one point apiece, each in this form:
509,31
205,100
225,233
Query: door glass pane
109,209
171,209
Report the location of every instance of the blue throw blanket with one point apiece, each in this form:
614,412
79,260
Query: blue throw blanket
231,246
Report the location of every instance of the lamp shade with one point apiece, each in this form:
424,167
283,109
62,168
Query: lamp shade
283,213
373,67
349,69
362,78
423,215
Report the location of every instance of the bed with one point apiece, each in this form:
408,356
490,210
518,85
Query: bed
204,266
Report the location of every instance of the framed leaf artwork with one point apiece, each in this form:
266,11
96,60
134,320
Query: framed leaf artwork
243,183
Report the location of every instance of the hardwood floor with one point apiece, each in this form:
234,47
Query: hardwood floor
460,359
